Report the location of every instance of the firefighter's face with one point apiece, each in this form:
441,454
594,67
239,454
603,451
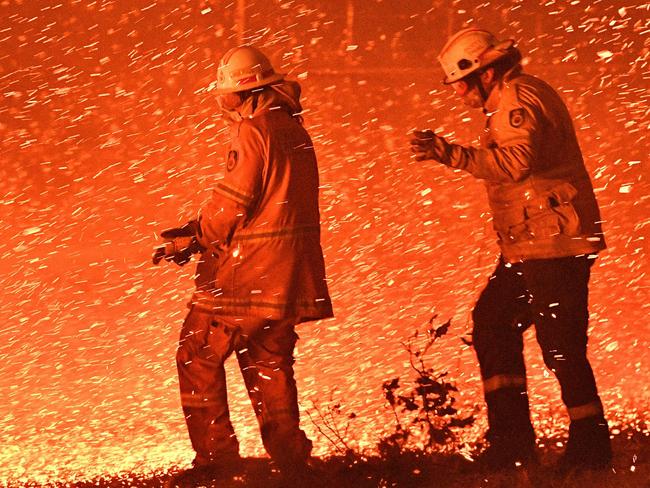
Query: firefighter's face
229,101
468,91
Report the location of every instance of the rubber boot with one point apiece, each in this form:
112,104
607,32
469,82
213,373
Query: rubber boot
207,473
589,446
511,435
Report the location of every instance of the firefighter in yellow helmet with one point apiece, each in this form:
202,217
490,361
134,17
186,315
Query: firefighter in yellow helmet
548,226
260,271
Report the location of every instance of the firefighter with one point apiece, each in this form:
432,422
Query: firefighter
548,226
260,271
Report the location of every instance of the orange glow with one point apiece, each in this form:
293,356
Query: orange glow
108,136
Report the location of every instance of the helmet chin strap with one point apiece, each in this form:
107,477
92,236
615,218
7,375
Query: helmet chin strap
256,97
482,91
475,80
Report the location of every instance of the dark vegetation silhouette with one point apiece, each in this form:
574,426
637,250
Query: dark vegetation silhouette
425,446
428,407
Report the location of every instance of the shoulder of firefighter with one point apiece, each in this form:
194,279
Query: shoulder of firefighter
540,193
261,226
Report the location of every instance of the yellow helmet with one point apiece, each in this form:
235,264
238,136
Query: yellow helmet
470,50
243,68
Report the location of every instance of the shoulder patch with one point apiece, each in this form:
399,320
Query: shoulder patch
517,117
232,160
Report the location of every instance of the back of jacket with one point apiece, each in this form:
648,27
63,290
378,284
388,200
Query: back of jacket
262,225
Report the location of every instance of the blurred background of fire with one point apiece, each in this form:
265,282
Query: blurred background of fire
108,136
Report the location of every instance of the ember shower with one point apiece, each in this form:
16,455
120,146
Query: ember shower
108,132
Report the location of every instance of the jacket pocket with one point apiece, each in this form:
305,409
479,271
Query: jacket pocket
568,219
540,226
553,213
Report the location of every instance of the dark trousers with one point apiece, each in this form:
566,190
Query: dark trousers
264,350
552,294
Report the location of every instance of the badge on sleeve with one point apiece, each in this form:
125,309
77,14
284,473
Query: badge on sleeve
232,160
517,117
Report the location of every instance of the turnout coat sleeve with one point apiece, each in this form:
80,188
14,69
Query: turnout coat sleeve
236,194
516,127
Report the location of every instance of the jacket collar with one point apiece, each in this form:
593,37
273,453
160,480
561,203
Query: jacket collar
281,96
492,102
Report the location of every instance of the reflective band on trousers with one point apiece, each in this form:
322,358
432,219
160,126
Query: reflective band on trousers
593,409
197,401
500,381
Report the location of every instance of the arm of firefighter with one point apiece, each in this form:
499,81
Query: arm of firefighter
508,163
517,149
234,197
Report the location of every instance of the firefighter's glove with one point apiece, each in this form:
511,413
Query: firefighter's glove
426,145
179,244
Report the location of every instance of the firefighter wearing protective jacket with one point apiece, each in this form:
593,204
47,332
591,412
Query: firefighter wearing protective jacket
261,269
548,226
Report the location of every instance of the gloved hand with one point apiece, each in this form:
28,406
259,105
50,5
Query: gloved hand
179,244
427,145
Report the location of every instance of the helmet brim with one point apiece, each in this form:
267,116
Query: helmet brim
491,55
274,78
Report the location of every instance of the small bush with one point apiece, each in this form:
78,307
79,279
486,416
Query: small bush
428,406
328,421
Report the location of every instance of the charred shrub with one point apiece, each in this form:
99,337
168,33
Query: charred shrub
426,409
333,423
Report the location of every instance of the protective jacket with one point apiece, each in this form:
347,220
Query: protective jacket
261,227
540,194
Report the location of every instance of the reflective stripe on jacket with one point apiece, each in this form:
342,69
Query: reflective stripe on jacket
261,227
542,199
